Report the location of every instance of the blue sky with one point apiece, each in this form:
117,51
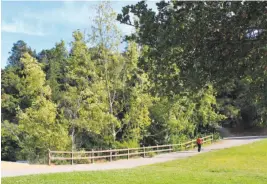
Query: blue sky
42,24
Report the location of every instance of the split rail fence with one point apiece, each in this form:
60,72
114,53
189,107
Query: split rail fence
114,154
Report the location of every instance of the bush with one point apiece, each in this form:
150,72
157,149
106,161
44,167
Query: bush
83,161
150,154
9,142
126,144
216,136
61,162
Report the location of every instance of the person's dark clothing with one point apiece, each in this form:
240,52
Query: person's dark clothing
199,147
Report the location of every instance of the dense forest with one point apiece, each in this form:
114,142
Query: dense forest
188,67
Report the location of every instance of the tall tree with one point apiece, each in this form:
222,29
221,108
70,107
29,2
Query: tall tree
106,38
11,82
125,84
38,121
11,85
82,104
56,71
136,99
191,44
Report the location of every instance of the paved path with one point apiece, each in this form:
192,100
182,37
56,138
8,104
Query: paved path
18,169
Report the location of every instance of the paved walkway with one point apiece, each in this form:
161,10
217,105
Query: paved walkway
17,169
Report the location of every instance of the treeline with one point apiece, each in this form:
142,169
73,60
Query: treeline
188,68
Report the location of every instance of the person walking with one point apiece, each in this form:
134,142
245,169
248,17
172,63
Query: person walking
199,143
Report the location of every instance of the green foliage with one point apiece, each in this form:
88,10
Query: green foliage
38,122
12,87
56,67
11,84
126,144
151,154
105,32
106,37
229,44
9,141
19,48
83,104
136,99
179,118
206,113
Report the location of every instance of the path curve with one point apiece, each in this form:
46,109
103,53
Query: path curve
18,169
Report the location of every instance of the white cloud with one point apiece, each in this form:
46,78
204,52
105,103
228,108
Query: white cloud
19,26
71,13
39,22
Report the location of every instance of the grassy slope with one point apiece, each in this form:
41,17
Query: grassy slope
241,165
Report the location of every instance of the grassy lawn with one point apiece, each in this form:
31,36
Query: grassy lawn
241,165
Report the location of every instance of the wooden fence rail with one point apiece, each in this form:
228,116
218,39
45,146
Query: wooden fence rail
110,154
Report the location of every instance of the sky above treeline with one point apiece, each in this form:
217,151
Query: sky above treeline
42,24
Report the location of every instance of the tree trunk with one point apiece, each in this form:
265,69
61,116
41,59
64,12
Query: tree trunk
110,101
113,126
73,139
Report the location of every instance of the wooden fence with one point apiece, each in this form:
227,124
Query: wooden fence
111,154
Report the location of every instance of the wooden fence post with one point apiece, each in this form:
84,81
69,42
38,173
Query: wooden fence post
144,150
110,155
71,157
49,157
157,148
128,156
170,148
92,157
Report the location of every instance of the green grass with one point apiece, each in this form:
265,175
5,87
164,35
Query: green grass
240,165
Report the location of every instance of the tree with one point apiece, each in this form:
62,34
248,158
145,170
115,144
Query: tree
106,38
38,121
191,44
136,99
204,39
183,116
10,141
56,72
19,48
83,104
11,85
125,84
